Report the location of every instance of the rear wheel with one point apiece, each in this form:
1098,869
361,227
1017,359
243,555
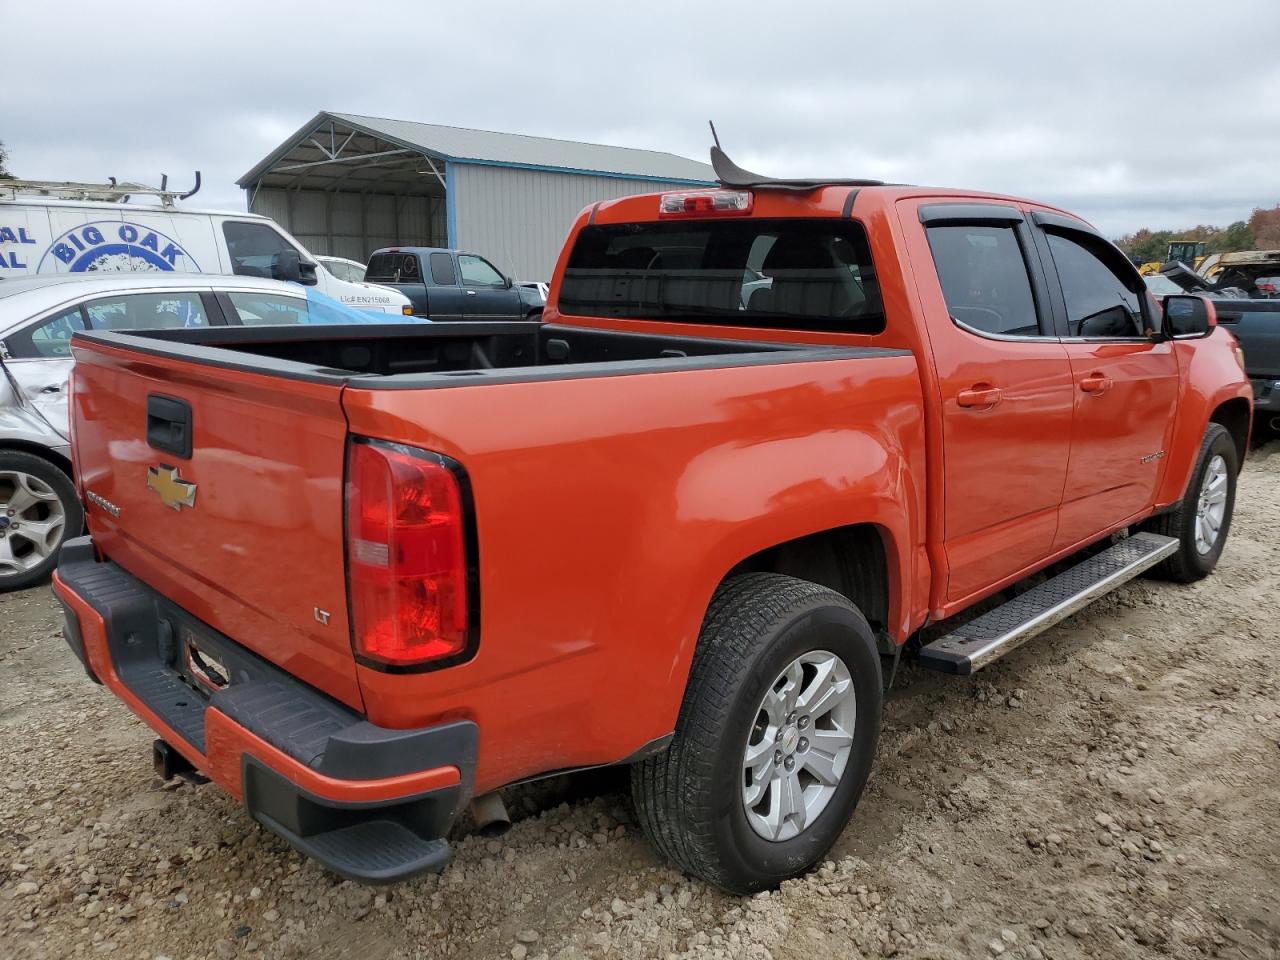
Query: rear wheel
1201,520
39,509
775,737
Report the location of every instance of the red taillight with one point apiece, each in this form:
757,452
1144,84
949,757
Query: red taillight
406,556
706,203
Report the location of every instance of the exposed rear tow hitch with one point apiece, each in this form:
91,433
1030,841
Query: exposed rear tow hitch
169,763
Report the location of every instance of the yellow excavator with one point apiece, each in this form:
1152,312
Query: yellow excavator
1189,252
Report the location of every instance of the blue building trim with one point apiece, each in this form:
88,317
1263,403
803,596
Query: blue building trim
581,172
450,207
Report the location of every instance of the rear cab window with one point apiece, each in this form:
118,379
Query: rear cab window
797,274
395,267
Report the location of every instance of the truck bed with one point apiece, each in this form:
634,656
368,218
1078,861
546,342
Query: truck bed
408,356
566,435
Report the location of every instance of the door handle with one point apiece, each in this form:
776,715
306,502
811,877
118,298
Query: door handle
1096,384
51,388
471,293
979,395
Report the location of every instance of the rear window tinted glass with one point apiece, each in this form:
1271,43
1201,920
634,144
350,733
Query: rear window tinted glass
793,274
393,268
984,279
442,272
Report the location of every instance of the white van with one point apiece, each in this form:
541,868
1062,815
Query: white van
49,234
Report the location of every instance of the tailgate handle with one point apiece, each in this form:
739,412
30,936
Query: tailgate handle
169,425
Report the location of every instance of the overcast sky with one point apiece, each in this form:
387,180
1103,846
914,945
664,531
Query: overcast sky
1131,114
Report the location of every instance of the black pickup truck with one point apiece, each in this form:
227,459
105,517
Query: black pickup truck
1255,323
444,284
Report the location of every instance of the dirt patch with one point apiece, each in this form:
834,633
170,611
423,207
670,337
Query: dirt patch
1109,790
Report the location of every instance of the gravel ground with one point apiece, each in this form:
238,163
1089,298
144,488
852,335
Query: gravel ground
1109,790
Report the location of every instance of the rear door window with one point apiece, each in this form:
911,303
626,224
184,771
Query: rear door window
148,311
785,274
268,309
442,272
393,268
984,279
50,339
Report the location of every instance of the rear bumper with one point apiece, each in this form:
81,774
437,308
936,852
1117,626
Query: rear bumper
370,803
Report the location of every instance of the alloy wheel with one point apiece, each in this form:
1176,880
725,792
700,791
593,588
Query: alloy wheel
799,745
1211,508
32,519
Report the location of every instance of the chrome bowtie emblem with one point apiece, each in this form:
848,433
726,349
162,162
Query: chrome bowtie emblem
174,492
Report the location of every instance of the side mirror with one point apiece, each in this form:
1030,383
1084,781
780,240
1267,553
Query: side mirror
289,265
508,283
1186,316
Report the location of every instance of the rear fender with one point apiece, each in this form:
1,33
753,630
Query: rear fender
770,493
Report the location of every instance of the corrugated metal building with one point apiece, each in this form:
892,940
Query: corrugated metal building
346,185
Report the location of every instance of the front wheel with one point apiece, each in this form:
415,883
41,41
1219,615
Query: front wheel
1202,518
775,738
38,510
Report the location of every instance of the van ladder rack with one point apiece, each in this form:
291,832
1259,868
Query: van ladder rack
111,192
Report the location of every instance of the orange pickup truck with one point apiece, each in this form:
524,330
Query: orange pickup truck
765,434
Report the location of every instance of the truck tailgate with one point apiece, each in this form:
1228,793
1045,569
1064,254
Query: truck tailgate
245,532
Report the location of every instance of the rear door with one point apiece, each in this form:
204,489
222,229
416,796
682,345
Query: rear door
487,295
1005,384
447,296
1125,382
243,530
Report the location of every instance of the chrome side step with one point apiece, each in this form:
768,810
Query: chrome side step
989,637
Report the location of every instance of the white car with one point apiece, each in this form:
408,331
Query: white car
44,235
38,315
342,268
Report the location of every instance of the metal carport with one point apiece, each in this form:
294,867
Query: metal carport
346,185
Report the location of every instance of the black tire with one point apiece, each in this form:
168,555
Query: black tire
1189,564
51,476
689,798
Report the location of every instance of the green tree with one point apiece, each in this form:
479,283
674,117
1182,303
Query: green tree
1147,246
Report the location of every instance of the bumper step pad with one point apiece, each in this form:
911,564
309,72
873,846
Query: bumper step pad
371,851
989,637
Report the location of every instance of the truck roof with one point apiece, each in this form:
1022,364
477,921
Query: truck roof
817,198
30,295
